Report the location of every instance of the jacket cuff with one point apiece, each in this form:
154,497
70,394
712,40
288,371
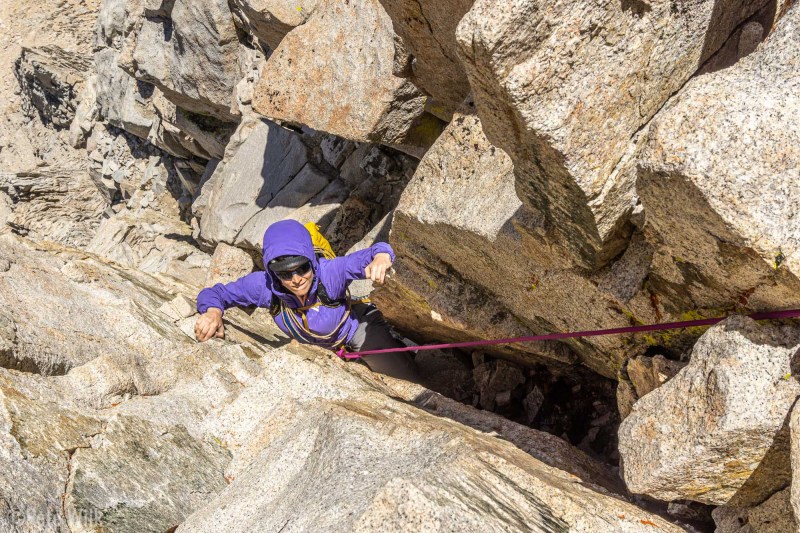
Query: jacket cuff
382,247
205,300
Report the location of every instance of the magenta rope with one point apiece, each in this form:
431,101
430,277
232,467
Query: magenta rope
791,313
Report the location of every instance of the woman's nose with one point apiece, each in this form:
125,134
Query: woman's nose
297,278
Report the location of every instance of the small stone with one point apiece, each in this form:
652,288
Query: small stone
179,308
5,265
503,398
167,310
649,373
184,306
532,403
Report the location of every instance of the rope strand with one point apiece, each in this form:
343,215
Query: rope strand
791,313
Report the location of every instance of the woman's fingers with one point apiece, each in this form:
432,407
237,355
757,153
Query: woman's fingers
377,269
207,327
378,273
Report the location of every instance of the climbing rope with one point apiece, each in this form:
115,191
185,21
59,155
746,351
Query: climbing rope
766,315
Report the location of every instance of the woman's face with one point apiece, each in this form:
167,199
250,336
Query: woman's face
299,285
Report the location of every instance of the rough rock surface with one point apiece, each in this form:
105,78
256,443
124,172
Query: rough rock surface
271,20
371,448
306,176
563,89
52,78
642,375
123,101
228,264
773,516
190,51
649,373
795,447
183,421
490,268
37,436
138,142
91,448
732,174
269,159
168,474
428,30
354,89
60,204
717,432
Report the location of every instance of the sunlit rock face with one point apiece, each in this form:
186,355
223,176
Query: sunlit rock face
719,183
537,167
717,432
358,88
564,89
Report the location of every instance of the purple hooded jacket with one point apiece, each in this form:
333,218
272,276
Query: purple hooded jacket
289,237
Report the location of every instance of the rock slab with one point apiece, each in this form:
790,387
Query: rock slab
717,432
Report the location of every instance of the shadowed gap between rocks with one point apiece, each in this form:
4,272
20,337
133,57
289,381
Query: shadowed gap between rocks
713,43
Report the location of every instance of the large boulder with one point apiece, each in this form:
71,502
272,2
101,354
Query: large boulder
795,436
428,30
719,183
307,431
717,432
271,20
190,51
339,73
564,89
271,173
270,158
490,268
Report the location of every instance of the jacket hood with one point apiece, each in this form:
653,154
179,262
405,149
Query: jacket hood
288,237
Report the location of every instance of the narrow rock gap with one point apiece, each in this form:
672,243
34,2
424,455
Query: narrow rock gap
572,402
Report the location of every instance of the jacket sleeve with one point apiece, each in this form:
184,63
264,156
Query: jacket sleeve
351,266
246,291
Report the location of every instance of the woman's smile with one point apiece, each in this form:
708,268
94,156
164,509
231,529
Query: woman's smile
299,285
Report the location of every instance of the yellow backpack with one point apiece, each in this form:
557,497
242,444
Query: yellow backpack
321,245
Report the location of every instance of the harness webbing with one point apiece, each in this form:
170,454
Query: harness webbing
298,327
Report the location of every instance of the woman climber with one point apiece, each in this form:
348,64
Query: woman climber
308,298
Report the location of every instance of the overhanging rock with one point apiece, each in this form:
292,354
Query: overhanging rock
564,89
489,267
428,30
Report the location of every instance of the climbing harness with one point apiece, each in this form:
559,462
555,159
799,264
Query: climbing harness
791,313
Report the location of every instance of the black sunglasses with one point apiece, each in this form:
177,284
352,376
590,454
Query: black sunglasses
287,275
